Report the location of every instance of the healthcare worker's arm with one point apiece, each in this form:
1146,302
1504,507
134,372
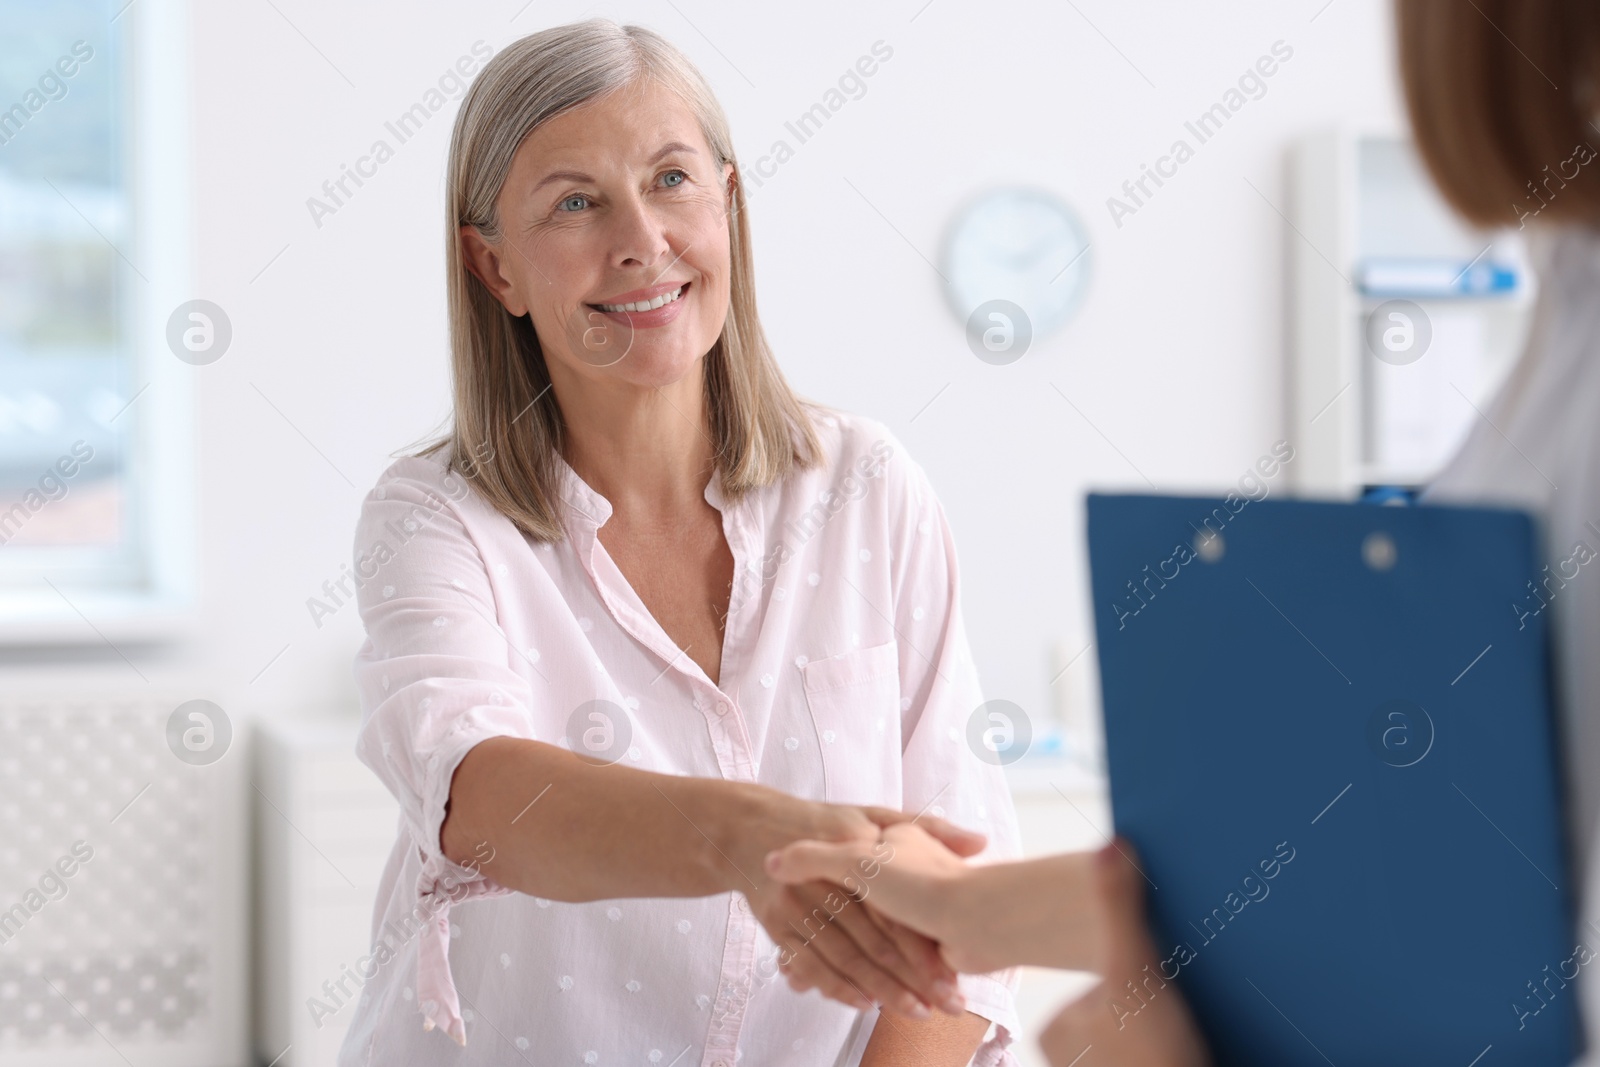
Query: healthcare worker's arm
1110,1026
1077,910
1040,912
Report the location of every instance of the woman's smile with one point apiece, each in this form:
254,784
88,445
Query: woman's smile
646,308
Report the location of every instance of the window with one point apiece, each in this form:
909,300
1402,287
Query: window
93,498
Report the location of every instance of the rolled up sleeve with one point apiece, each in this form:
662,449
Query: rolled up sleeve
435,678
943,774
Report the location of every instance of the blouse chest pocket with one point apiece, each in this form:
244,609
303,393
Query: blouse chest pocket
854,699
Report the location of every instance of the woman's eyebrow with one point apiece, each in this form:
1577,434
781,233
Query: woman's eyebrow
577,176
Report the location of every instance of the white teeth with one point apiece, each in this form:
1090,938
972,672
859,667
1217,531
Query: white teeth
644,305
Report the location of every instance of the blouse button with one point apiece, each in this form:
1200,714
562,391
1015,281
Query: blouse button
744,905
829,736
766,681
722,707
814,578
791,743
801,661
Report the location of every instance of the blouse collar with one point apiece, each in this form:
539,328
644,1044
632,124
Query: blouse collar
596,509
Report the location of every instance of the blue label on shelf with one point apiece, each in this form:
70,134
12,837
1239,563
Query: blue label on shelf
1436,277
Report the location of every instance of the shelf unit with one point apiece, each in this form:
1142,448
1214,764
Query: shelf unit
1362,208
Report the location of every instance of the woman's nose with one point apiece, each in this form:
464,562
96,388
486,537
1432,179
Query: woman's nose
638,234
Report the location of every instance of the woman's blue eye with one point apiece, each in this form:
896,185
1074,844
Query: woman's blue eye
680,174
570,199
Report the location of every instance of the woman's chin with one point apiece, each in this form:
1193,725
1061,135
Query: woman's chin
648,367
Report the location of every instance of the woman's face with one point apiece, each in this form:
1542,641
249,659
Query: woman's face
607,209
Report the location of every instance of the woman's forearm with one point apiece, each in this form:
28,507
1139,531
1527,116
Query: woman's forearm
940,1041
538,819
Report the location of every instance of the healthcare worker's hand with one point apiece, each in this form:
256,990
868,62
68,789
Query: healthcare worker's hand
829,941
1108,1026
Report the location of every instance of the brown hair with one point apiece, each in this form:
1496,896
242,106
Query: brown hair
507,426
1502,96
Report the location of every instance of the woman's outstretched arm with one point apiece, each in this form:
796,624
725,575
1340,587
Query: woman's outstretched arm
541,820
538,819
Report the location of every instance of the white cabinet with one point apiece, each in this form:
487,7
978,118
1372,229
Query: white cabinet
324,826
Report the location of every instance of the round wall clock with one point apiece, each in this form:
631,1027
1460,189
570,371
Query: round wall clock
1016,264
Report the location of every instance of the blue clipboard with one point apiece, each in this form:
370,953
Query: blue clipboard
1329,733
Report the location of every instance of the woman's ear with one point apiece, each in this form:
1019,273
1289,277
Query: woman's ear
483,260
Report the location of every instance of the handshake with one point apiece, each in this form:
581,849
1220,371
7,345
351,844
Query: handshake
891,911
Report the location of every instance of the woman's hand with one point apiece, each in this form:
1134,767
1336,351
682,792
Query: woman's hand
1109,1024
908,876
828,941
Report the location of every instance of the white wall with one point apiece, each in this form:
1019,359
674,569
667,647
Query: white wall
1176,356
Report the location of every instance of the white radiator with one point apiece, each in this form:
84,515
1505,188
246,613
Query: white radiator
122,883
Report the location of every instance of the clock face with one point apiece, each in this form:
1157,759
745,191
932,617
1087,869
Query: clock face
1016,263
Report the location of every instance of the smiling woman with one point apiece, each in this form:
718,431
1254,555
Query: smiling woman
595,731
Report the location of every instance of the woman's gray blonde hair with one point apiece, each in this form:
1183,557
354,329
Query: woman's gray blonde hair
508,427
